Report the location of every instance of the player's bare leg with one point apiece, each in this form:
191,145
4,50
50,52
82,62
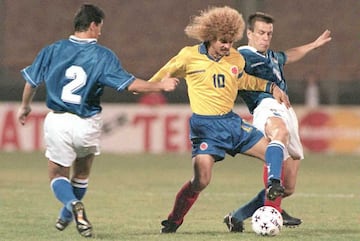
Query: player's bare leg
188,194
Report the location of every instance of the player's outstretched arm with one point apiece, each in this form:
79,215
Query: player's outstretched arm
297,53
166,84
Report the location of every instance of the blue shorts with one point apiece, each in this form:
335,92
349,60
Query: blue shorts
218,135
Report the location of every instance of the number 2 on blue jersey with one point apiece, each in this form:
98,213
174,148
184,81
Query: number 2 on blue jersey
78,77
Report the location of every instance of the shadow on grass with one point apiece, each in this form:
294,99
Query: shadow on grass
151,235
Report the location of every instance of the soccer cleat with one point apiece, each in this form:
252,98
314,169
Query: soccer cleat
274,190
61,224
233,225
169,226
83,225
289,221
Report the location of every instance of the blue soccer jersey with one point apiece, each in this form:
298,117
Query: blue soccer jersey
268,66
75,72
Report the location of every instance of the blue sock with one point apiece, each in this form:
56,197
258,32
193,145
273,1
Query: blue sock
63,191
79,187
274,157
247,210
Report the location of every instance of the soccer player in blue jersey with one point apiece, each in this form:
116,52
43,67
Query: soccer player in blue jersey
214,72
75,72
278,123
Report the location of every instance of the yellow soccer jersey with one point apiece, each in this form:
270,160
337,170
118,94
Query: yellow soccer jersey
212,85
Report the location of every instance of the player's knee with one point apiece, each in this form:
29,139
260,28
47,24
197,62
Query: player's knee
278,131
200,184
283,132
204,183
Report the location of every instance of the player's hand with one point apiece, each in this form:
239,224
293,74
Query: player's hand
322,39
169,83
23,112
281,96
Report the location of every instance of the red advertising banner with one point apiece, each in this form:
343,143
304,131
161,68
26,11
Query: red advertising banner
136,128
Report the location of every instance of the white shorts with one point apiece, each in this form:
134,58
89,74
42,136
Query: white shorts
67,136
270,107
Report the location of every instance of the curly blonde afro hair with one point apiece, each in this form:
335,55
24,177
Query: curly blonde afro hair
216,23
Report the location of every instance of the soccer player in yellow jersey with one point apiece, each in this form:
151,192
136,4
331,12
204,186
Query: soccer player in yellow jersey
214,72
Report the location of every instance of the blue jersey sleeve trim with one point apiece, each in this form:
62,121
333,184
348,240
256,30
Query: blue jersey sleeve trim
126,84
28,78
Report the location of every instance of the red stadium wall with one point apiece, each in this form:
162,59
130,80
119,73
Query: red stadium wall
136,128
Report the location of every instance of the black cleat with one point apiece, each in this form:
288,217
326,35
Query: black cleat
289,221
274,190
169,226
61,224
83,225
233,224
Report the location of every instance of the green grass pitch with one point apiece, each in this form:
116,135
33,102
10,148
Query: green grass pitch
129,195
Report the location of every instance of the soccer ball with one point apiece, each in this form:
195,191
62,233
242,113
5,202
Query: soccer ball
266,221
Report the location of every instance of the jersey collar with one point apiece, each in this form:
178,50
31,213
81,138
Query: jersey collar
203,50
75,39
253,50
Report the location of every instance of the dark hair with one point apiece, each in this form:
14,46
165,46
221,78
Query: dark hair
259,16
86,15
